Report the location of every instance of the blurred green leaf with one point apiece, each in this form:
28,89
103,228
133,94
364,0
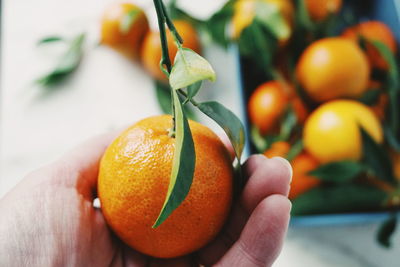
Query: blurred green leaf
386,231
269,15
390,138
67,63
127,21
295,150
370,97
218,23
340,198
377,159
288,124
50,39
303,17
189,68
338,172
183,164
163,94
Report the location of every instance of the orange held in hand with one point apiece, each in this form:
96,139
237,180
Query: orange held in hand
373,31
123,27
333,68
151,50
133,182
332,133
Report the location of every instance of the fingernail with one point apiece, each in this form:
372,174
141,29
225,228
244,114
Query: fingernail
288,166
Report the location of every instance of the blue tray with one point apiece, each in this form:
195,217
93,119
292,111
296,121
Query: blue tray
388,12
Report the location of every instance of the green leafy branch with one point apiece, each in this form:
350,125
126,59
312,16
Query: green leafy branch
188,72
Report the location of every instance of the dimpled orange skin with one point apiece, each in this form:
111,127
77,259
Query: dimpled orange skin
331,132
320,9
133,182
373,31
333,68
152,52
127,43
266,105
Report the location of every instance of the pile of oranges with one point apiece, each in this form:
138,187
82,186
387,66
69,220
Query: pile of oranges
323,90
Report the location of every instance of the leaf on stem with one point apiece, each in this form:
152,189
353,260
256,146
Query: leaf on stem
127,21
295,150
163,94
338,172
50,39
189,68
67,63
192,90
183,164
228,121
289,122
376,158
386,231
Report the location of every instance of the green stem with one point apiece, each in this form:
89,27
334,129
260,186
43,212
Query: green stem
165,60
171,26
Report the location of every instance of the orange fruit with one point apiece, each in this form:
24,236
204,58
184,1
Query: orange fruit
133,182
331,132
277,149
373,31
320,9
333,68
151,50
111,34
266,105
244,12
396,164
302,164
380,107
300,109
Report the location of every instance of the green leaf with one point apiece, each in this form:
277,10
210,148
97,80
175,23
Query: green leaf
340,198
67,63
338,172
50,39
377,159
303,16
183,164
288,124
260,142
127,21
189,68
192,90
390,138
216,26
295,150
163,94
386,231
269,15
228,121
370,97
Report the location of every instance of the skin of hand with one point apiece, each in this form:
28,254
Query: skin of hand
48,219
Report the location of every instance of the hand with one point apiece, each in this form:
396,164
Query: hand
48,219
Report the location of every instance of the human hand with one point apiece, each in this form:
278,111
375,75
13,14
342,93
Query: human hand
48,219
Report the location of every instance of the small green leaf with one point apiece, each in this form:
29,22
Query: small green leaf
189,68
216,26
288,124
376,158
338,172
228,121
303,16
269,15
163,94
50,39
339,198
295,150
183,164
127,21
260,142
67,63
192,90
390,138
370,97
386,230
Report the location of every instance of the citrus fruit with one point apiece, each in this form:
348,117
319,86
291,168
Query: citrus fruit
300,109
244,13
320,9
302,164
373,31
333,68
151,50
331,132
129,41
396,164
133,182
266,106
277,149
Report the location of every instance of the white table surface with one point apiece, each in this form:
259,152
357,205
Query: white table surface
108,92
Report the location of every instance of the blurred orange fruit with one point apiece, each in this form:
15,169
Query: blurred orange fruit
373,31
320,9
151,50
277,149
244,13
300,109
333,68
331,132
266,105
128,42
133,181
302,164
396,164
380,107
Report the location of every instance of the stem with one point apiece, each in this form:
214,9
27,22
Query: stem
171,26
165,60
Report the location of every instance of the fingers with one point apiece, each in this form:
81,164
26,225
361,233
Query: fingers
261,239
